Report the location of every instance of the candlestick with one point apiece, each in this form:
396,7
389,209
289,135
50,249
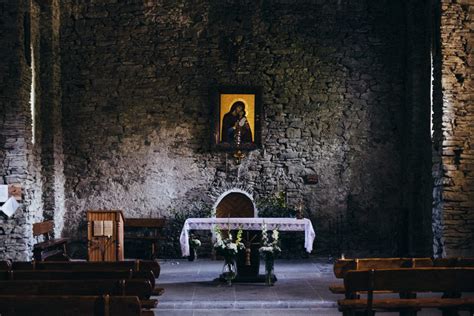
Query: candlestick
299,214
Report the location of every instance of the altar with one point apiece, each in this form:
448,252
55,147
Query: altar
247,223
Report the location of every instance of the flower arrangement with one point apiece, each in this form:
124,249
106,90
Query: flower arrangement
269,248
228,248
194,242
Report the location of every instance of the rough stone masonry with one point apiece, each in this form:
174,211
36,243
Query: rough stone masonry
135,80
123,117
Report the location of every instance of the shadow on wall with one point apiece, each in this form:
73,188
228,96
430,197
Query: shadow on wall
356,232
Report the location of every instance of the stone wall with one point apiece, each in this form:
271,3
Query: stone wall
122,115
51,115
135,81
454,131
19,157
30,137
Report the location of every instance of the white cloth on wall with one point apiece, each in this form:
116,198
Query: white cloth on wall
9,207
248,223
3,193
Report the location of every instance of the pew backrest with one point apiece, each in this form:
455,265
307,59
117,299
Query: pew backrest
76,275
453,262
135,265
135,287
69,305
410,280
342,266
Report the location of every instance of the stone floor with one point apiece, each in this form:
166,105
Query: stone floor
191,289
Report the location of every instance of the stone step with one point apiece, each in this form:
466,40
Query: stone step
247,304
250,312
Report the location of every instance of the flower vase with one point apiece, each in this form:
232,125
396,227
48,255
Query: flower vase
269,264
229,270
192,254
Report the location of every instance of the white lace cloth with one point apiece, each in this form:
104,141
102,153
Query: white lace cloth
248,223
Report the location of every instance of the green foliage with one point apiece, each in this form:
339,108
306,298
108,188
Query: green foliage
292,243
275,206
171,246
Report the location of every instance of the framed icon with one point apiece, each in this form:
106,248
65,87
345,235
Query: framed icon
237,118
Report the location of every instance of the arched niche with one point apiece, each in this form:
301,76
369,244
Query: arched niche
235,203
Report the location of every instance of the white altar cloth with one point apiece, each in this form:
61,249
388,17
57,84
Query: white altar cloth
248,223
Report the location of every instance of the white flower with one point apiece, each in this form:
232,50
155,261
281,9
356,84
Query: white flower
226,245
232,246
264,249
275,235
267,245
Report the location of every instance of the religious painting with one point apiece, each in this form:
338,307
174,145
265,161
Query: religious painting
236,122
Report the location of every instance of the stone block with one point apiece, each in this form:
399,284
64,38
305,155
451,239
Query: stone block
293,133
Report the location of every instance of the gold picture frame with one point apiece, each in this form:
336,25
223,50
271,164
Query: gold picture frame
237,118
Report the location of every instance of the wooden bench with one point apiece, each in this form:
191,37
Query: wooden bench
146,230
135,265
49,249
135,287
149,269
5,265
450,281
76,275
453,262
12,305
342,266
64,276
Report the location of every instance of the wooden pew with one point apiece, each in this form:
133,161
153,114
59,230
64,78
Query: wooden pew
135,265
342,266
450,281
9,275
5,265
453,262
141,266
147,267
25,305
153,226
49,249
64,275
135,287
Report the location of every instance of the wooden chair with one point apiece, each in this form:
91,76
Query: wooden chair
450,281
48,305
49,249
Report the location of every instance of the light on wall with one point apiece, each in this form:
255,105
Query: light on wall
33,96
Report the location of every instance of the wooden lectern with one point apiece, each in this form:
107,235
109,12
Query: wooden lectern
105,235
